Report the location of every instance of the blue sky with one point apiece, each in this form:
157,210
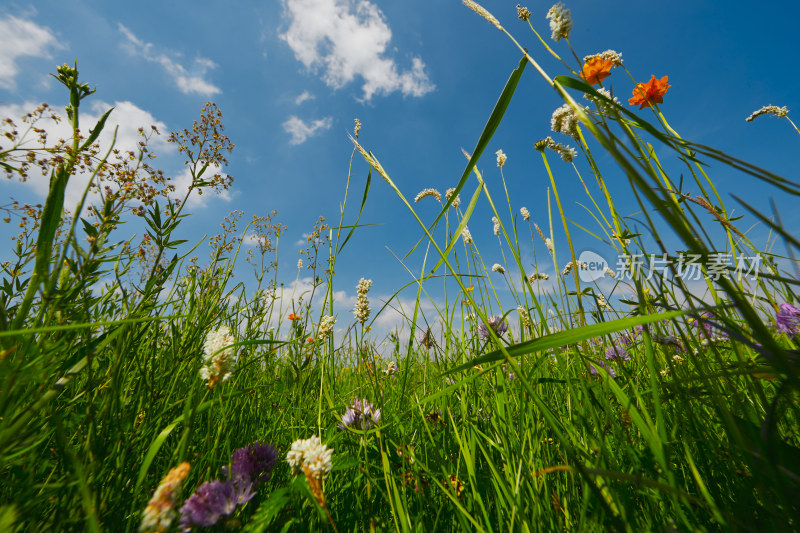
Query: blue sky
422,76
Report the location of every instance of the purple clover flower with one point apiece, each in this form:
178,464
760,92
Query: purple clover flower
787,320
498,325
360,415
593,369
617,352
253,464
212,501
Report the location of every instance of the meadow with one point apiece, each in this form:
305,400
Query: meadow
143,389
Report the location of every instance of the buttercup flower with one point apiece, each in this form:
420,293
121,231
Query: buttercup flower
219,363
652,92
361,415
596,69
159,513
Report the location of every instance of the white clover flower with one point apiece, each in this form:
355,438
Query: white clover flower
428,192
525,213
498,268
496,226
501,158
219,363
466,236
560,22
310,456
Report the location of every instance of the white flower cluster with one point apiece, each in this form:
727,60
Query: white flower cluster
428,192
456,201
560,22
219,363
526,215
325,327
565,120
498,268
538,275
159,513
501,158
774,110
466,235
310,455
496,226
613,55
362,303
549,243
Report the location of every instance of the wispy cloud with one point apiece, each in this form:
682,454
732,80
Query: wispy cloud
20,38
301,131
348,38
186,81
303,97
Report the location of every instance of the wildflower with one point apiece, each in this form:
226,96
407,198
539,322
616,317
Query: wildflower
496,323
362,303
159,513
593,369
294,316
787,320
498,268
311,457
773,110
524,317
596,69
652,92
567,154
466,236
456,201
254,463
496,228
523,13
608,55
526,215
602,105
212,501
706,326
560,22
601,302
538,275
608,272
391,369
361,415
617,352
549,244
325,327
482,12
219,362
501,158
299,264
458,486
564,120
357,128
428,192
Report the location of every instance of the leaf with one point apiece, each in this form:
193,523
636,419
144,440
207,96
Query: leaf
93,133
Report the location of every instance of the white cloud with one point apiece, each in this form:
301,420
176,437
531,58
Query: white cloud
300,131
20,38
348,38
187,82
303,97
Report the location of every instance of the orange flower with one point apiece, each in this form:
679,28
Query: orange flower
293,316
596,70
652,92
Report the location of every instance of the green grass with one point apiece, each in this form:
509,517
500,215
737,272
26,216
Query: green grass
102,344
